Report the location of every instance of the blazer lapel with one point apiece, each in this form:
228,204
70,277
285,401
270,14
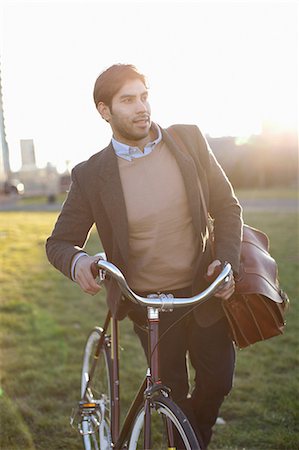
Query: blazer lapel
189,173
113,199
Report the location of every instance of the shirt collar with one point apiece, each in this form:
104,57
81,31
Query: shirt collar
129,153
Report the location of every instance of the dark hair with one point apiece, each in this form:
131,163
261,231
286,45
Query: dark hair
112,79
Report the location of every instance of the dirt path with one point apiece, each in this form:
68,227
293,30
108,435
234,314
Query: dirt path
271,205
259,205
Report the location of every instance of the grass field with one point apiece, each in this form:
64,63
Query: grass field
45,320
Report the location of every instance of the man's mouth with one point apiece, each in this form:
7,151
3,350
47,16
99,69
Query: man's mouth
142,120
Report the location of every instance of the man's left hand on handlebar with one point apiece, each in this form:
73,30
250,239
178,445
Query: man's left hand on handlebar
228,289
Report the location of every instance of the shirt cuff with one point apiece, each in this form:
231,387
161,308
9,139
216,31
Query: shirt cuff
74,262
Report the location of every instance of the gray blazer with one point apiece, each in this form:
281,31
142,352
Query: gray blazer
96,196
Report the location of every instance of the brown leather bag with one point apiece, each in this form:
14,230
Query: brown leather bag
256,310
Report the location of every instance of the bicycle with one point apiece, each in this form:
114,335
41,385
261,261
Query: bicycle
98,413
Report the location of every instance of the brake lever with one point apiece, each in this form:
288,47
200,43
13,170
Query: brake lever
96,272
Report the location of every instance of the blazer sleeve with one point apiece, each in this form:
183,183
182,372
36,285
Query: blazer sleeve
223,207
71,229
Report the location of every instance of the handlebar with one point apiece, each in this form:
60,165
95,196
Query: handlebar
163,302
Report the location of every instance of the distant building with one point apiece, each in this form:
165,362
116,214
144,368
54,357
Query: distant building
37,181
28,154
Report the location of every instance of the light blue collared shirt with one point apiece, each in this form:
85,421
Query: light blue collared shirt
129,153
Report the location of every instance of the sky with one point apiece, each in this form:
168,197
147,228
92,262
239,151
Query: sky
227,66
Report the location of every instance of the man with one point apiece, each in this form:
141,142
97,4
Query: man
142,193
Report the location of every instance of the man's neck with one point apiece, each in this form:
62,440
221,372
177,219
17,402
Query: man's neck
141,144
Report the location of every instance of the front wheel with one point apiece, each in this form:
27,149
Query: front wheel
165,414
96,426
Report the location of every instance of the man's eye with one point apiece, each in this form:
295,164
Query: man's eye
127,100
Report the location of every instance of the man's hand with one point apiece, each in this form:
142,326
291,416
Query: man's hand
228,289
83,274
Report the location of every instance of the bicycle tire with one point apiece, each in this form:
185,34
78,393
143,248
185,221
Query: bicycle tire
97,427
162,408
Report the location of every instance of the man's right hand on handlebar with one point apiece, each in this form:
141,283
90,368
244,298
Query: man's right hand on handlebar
83,274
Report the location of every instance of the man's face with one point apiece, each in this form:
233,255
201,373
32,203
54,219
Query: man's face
129,115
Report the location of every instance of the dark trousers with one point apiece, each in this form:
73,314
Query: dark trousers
211,353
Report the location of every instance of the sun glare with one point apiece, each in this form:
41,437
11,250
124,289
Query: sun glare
229,67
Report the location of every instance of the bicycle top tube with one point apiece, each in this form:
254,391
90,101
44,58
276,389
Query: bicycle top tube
164,301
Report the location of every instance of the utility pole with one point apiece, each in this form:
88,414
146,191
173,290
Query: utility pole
5,171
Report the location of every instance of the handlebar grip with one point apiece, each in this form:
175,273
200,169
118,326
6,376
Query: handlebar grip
217,271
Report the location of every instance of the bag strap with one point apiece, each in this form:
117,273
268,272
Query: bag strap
179,141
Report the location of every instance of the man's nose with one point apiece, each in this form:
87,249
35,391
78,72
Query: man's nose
141,106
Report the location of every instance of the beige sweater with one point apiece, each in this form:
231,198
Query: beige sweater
163,244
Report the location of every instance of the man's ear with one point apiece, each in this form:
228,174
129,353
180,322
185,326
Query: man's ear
104,110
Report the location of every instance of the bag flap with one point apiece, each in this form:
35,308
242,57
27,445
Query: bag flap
256,237
258,270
